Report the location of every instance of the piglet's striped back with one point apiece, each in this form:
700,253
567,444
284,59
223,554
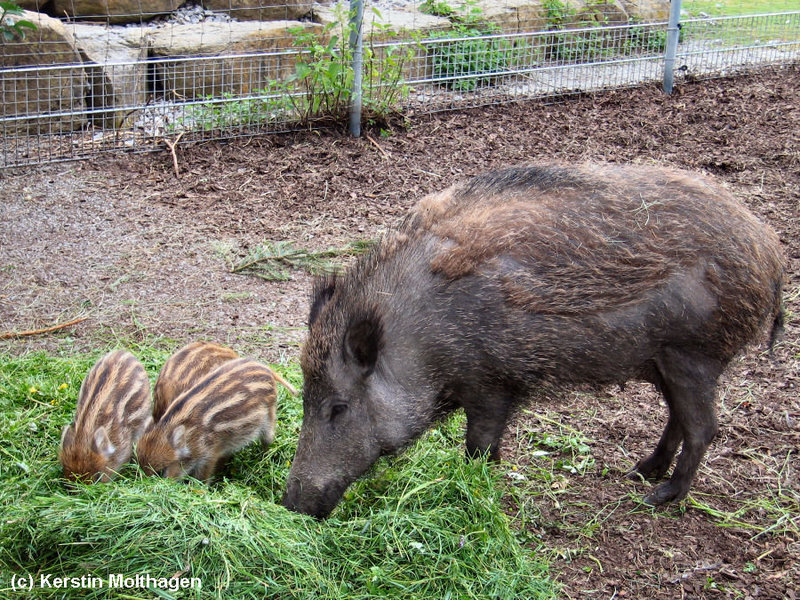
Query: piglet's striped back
184,369
223,412
233,391
116,391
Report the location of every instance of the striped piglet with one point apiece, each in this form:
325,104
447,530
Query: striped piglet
222,413
112,412
184,369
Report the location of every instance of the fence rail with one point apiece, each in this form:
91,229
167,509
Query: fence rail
94,98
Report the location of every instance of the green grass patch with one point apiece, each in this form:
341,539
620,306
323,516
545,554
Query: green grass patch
732,8
740,30
426,524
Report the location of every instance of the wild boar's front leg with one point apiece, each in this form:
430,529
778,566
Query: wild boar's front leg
486,420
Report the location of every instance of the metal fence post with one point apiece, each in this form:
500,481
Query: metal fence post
357,50
673,33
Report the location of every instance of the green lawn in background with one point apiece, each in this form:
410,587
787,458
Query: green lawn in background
730,8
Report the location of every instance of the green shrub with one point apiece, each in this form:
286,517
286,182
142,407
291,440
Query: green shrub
437,8
466,64
646,40
10,26
319,89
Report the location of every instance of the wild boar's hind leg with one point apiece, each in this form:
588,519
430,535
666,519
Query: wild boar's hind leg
486,420
655,466
689,382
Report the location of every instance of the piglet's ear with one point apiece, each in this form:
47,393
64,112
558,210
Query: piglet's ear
102,443
363,343
178,440
67,435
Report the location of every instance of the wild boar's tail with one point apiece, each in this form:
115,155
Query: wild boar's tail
779,321
777,328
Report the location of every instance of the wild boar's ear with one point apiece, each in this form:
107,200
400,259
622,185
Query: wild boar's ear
363,341
322,293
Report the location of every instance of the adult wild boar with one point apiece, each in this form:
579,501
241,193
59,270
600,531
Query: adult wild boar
529,277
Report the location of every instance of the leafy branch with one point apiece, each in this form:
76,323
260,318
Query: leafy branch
273,260
11,27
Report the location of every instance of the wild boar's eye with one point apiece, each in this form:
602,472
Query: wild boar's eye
337,409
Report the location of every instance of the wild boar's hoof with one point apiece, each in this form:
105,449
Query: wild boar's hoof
664,493
649,469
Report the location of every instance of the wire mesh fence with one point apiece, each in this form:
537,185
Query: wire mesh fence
103,78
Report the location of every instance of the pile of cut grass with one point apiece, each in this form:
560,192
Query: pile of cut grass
426,524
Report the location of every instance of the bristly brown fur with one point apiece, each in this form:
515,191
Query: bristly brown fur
580,226
560,233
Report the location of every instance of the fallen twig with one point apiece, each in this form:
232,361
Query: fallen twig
15,334
374,143
171,146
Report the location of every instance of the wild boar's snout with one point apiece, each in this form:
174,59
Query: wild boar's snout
529,277
308,500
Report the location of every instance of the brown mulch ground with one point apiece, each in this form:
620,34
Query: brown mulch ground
145,256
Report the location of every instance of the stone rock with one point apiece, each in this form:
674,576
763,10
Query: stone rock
388,23
114,60
391,23
647,10
115,11
42,77
195,61
261,10
514,16
608,12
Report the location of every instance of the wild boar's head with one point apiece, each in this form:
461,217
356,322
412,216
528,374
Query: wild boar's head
359,401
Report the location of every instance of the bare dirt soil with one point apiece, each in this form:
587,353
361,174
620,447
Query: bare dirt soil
145,255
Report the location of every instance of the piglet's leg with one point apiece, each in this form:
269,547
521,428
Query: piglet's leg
204,471
267,432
